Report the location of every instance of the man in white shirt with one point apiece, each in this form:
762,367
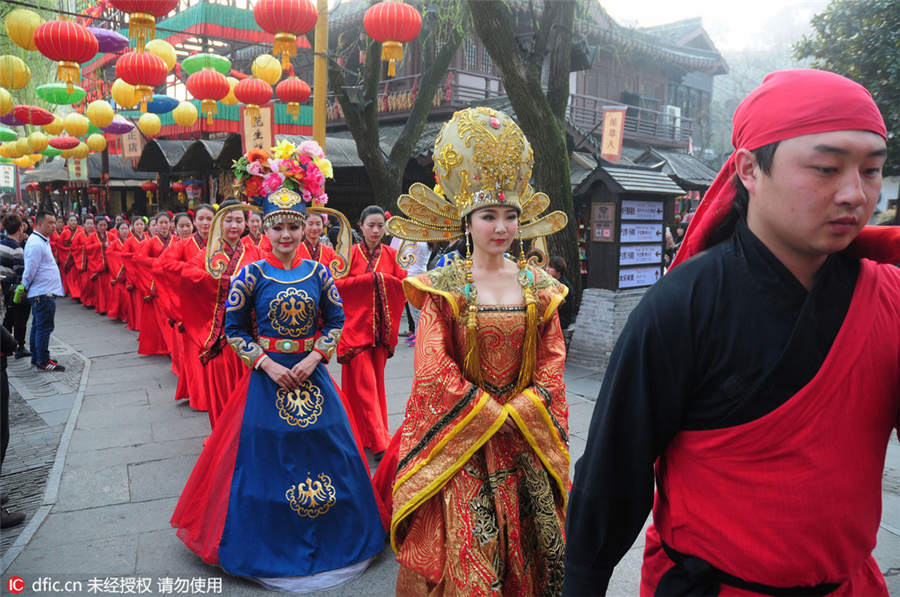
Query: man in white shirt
43,283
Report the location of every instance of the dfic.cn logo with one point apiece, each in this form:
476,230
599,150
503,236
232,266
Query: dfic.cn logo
15,584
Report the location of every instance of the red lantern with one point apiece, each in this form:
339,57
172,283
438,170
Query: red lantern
253,92
143,70
285,19
64,142
32,186
293,91
68,43
94,190
32,115
142,15
392,24
208,86
149,186
178,187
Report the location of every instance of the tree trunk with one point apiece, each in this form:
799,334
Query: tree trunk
541,116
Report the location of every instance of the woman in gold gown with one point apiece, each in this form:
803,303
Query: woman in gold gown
482,474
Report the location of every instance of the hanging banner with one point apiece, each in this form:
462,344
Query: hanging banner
613,133
7,177
132,144
78,169
258,132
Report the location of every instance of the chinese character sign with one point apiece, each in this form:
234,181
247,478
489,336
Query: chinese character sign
258,132
7,177
78,169
132,144
613,133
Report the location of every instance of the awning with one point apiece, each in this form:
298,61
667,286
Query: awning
620,179
689,172
162,155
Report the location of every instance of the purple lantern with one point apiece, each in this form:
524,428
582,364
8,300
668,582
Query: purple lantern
109,41
119,126
10,119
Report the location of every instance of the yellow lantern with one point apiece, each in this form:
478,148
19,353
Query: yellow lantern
66,153
14,74
36,157
149,124
20,26
96,142
100,113
81,151
230,99
267,68
8,149
123,94
23,162
163,49
76,124
38,141
23,146
55,127
185,114
6,102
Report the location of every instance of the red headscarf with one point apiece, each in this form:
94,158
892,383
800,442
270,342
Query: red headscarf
793,103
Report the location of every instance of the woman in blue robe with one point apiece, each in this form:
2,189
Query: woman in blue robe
280,492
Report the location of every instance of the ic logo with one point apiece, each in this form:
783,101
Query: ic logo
15,584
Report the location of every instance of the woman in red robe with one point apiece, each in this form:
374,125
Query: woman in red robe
373,299
254,234
172,274
130,247
66,258
85,288
120,302
223,371
311,247
154,338
97,265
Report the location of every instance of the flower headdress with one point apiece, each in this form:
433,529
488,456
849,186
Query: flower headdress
299,168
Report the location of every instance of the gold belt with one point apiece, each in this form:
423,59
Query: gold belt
286,345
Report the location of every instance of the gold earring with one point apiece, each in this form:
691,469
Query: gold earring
522,261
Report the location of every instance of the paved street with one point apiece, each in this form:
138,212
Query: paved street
99,505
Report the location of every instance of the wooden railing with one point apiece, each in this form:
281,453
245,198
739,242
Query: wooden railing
462,88
586,112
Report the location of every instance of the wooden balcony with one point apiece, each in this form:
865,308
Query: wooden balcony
464,88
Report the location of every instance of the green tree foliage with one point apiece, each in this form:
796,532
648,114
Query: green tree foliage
860,39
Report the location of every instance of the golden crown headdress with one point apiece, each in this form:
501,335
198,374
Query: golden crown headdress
481,159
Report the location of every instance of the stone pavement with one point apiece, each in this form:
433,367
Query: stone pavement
99,505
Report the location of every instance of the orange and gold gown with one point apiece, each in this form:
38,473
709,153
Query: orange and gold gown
479,507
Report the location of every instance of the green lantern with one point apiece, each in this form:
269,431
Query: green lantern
7,134
197,62
58,93
51,152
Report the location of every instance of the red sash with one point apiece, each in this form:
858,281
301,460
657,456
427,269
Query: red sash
794,498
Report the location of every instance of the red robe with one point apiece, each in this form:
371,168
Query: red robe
322,253
373,306
155,332
98,270
130,249
249,241
173,273
224,372
120,300
67,262
79,267
751,499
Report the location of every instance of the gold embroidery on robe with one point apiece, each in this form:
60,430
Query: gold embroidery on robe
312,498
300,407
292,313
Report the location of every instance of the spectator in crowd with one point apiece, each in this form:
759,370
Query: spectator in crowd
7,345
12,265
43,284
